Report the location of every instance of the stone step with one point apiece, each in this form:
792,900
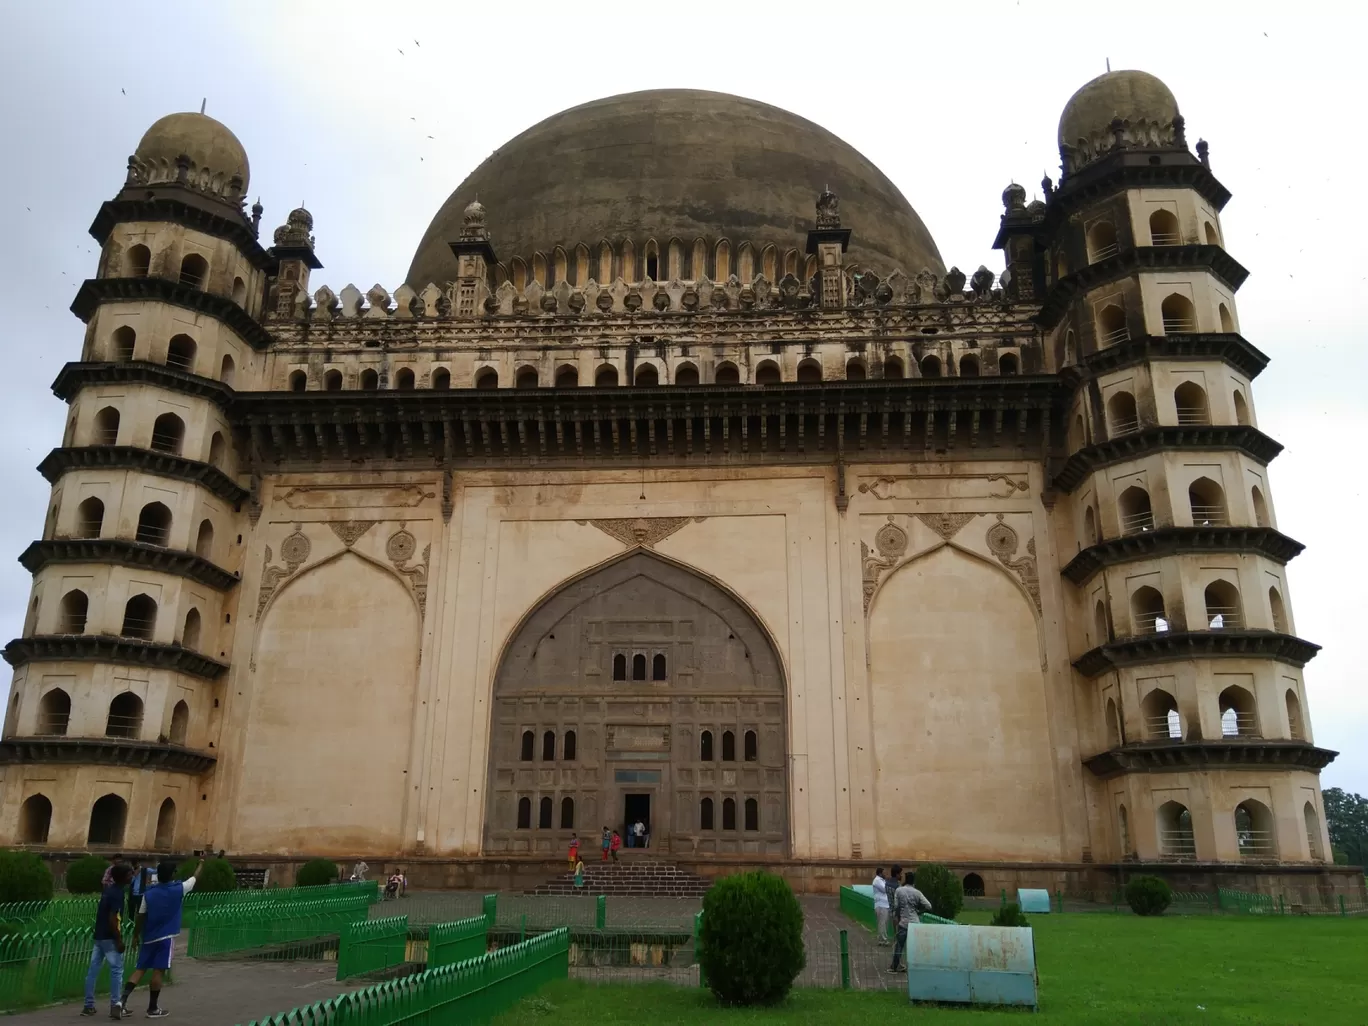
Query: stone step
638,877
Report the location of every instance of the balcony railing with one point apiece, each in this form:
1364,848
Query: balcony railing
1177,844
123,726
52,724
1102,252
195,281
107,436
1165,239
1313,846
180,361
164,442
88,528
71,625
138,627
1187,415
153,535
1125,427
1164,727
1111,338
1239,724
1137,523
1179,325
1257,844
1208,516
1224,618
1151,623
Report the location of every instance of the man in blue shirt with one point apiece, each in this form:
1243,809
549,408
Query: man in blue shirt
109,944
158,922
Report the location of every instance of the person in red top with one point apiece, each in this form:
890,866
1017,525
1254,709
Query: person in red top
574,850
615,844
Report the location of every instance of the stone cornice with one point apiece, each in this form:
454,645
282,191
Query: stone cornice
100,751
1171,541
1249,440
127,457
95,291
1171,646
106,648
187,215
1177,756
76,376
1132,170
1230,348
1194,257
127,553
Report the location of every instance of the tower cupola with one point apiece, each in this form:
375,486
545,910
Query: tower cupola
193,151
1118,110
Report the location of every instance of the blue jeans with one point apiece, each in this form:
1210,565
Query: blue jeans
104,951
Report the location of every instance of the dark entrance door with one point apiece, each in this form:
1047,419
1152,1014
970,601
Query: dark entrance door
636,807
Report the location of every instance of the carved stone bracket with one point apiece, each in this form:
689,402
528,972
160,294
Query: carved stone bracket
350,531
647,531
1003,542
294,551
947,525
400,549
891,542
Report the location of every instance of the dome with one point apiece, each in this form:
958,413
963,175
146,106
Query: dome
211,147
1133,96
676,163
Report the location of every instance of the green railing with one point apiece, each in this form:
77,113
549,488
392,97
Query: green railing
859,907
371,945
449,943
286,926
472,991
490,908
39,968
201,901
55,914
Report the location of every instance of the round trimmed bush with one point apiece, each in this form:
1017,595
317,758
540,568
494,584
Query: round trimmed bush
217,874
316,873
751,939
84,875
1148,895
24,877
942,888
1010,915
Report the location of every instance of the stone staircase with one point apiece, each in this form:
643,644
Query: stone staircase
635,876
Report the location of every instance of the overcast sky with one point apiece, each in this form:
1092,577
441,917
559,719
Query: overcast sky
371,115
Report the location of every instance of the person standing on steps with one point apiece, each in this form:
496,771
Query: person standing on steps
908,904
880,906
579,874
607,842
639,829
109,945
574,850
158,923
614,844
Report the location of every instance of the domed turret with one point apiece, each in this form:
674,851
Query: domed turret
217,160
1142,103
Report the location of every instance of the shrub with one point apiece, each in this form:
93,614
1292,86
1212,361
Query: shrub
751,940
217,874
24,877
1010,915
316,873
942,888
84,875
1148,895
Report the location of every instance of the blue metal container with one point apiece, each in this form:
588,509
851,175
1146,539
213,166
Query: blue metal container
986,965
1033,899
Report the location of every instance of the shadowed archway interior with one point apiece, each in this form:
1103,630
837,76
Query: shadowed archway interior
640,659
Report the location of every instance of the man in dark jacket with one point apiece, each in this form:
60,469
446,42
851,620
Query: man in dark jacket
109,945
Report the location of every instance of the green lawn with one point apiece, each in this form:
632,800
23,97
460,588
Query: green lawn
1094,968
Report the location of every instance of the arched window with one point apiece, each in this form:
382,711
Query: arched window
1137,516
973,885
227,371
1239,716
1101,241
524,813
525,378
658,666
1254,831
549,746
54,713
1309,817
180,723
855,370
930,366
1190,400
1256,499
138,261
893,369
107,818
686,374
204,540
767,373
1123,821
73,610
441,379
529,741
1163,226
1223,610
728,746
107,426
568,751
190,634
216,448
752,814
1090,526
1207,502
35,819
122,342
809,372
1147,611
89,518
728,813
705,814
750,746
706,746
544,810
1008,364
125,716
1178,314
1160,711
1241,407
1122,413
370,380
166,820
1227,322
638,667
1276,611
567,376
1101,635
969,366
567,814
1111,326
1113,725
647,376
727,374
1296,729
140,618
619,667
1175,832
180,353
299,381
403,380
239,292
194,271
605,377
1209,231
168,431
154,525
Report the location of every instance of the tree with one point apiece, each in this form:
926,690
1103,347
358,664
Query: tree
1346,819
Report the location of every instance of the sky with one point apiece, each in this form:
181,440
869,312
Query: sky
372,114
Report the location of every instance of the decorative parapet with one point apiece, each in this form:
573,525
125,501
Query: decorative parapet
99,751
1170,646
1172,541
127,553
1249,440
105,648
128,457
1180,756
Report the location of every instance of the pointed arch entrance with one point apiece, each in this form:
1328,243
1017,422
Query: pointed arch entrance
640,749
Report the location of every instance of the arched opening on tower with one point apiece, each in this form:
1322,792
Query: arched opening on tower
204,540
767,373
1147,611
855,370
107,818
686,374
647,376
1102,241
168,433
526,378
1111,326
107,426
1239,715
194,271
1113,725
1313,833
1122,413
138,261
227,371
166,826
1223,608
1296,727
1190,403
441,380
90,518
1176,840
606,377
122,342
1254,832
1227,321
567,376
180,723
140,618
72,612
180,353
54,713
35,819
1241,407
930,366
125,716
154,525
1276,611
1206,500
969,366
1164,231
1179,315
809,372
190,632
1256,499
404,380
1137,515
893,369
1009,364
299,381
727,374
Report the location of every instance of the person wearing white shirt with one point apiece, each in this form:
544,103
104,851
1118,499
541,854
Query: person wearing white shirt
881,905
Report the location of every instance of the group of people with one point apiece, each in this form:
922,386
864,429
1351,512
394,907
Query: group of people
907,905
610,843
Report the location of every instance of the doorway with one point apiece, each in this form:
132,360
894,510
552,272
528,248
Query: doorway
637,807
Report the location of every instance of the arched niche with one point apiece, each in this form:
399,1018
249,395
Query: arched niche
639,738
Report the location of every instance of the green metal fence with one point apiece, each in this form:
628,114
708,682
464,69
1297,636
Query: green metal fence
473,991
41,967
372,945
449,943
290,929
54,914
202,901
860,907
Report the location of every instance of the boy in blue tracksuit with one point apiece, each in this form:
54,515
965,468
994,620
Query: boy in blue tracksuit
158,922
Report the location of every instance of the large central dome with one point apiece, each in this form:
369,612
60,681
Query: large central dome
676,163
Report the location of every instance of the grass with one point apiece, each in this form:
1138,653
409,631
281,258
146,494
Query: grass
1094,968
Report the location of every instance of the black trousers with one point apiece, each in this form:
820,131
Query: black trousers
899,945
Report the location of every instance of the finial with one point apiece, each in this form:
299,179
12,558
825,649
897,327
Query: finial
828,209
203,102
1202,153
1179,131
1108,65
